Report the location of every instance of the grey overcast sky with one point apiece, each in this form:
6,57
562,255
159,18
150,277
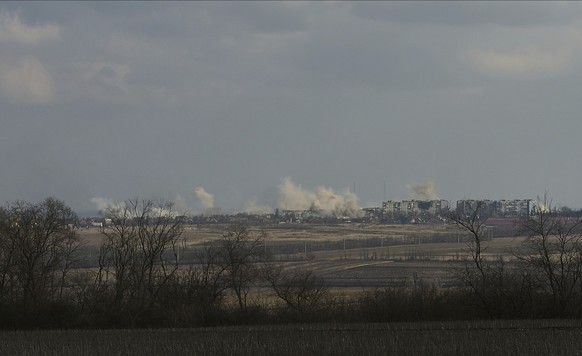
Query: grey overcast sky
226,104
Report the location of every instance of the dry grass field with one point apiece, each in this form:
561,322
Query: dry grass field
524,337
351,259
355,257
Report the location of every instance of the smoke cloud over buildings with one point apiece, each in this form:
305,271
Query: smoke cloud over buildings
253,207
205,199
135,208
105,204
324,201
294,197
181,206
423,191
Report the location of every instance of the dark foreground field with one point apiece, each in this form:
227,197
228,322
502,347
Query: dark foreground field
540,337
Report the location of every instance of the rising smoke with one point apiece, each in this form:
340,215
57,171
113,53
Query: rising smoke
105,205
293,197
326,200
423,191
205,199
126,208
181,206
542,205
253,207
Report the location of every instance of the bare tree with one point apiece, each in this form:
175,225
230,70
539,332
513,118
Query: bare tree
9,232
553,250
140,250
37,250
549,260
239,250
475,275
208,280
472,220
197,292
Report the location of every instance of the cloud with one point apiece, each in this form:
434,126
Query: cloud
13,30
337,92
102,84
112,74
28,82
470,13
260,16
525,61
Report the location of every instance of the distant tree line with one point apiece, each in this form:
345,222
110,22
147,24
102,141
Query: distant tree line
141,279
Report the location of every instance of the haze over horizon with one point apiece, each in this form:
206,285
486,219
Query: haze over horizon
250,106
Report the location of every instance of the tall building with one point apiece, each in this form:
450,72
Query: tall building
497,208
410,207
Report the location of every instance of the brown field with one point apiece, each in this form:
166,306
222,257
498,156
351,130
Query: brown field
500,337
356,256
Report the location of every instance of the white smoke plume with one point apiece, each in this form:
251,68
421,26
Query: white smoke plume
293,197
180,205
543,205
105,205
205,199
158,208
423,191
252,207
163,211
326,200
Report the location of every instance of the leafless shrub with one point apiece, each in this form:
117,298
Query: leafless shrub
303,293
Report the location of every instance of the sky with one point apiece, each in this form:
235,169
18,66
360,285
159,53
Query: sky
236,106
